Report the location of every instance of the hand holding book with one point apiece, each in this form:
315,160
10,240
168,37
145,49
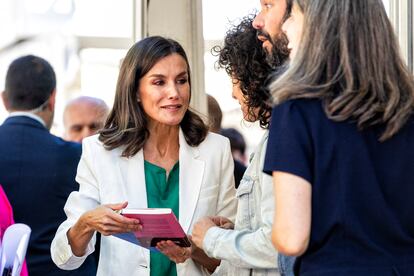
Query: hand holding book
174,252
103,219
158,224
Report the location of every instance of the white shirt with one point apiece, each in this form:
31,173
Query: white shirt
27,114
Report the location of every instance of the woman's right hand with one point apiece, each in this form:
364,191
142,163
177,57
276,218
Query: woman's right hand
103,219
107,221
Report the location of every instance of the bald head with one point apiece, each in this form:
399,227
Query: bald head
83,117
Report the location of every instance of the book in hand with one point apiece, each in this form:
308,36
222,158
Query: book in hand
158,224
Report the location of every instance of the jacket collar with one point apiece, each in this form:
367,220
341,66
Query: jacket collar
190,179
24,120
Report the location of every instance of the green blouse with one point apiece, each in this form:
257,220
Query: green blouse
162,192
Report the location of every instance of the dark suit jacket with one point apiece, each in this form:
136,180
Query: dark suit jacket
37,172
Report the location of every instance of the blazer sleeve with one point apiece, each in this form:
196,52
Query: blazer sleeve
227,203
78,202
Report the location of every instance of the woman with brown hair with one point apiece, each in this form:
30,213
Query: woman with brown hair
341,143
153,152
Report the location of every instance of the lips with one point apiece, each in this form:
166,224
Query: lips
172,106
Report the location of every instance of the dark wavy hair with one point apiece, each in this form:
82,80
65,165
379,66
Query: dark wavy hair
244,60
126,125
349,58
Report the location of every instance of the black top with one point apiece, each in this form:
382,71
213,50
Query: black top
362,190
37,172
239,170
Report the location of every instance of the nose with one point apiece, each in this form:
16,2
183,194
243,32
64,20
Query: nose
258,22
173,91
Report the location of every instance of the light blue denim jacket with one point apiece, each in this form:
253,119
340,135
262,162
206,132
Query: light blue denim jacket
248,250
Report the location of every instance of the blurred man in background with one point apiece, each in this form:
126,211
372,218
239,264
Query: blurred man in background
83,117
37,169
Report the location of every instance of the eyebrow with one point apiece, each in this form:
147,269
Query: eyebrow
163,76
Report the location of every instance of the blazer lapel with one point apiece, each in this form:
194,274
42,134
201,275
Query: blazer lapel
191,177
133,177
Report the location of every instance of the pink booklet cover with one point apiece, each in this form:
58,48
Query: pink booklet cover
158,224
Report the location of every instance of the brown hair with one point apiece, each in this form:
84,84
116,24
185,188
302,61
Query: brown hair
215,115
127,122
349,58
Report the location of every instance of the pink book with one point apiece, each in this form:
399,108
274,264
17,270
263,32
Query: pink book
158,224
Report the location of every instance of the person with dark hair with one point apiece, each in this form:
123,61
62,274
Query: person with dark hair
152,152
237,143
238,151
215,115
341,149
246,249
37,169
268,23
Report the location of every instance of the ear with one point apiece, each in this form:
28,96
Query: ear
52,100
5,100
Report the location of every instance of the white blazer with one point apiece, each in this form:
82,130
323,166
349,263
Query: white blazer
206,188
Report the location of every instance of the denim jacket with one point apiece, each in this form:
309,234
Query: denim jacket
248,250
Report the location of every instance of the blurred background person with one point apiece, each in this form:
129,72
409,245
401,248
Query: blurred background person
83,117
152,152
246,250
237,143
215,116
37,169
238,151
341,143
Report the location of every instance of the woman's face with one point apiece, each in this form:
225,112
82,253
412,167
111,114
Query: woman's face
238,95
293,29
164,92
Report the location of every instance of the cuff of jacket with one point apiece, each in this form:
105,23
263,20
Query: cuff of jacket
210,239
63,256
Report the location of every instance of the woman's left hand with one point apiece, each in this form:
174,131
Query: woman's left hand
200,229
174,252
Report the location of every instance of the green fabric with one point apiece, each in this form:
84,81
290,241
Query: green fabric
162,193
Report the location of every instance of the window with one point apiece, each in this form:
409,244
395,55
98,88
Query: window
84,40
401,15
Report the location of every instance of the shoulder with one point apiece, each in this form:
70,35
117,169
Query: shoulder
92,142
64,147
93,146
299,114
213,146
214,140
302,107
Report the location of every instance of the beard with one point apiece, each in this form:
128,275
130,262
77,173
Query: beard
279,52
